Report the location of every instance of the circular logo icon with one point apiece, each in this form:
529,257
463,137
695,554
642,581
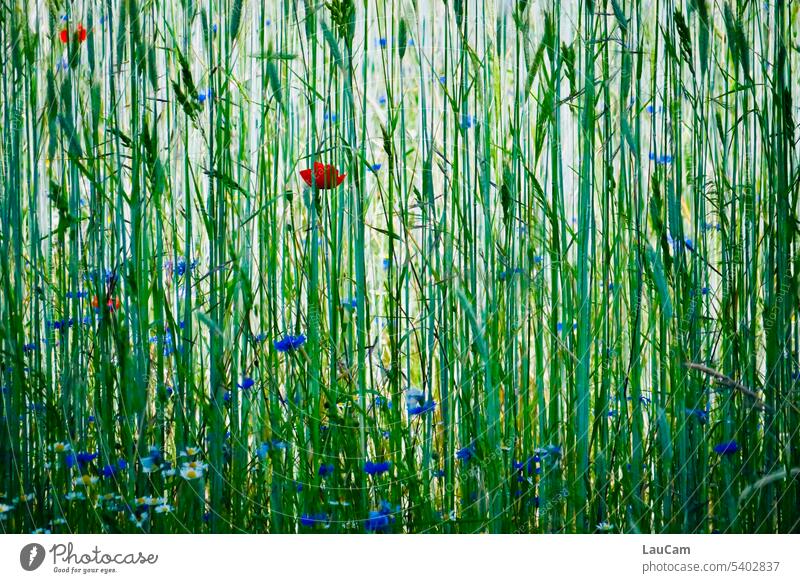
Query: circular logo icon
31,556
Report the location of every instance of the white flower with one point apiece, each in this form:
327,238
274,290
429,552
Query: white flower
85,480
190,473
164,509
148,465
170,472
190,451
75,496
58,521
41,531
605,527
5,508
61,447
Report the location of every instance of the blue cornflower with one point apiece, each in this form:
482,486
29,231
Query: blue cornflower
325,470
246,383
382,42
85,457
701,414
289,343
379,520
311,520
214,28
726,447
377,468
382,100
422,409
466,453
386,263
375,167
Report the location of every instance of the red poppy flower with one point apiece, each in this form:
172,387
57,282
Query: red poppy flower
112,304
324,176
81,33
64,36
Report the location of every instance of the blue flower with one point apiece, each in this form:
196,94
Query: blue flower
246,383
422,409
379,520
85,457
386,263
214,28
377,468
375,167
382,100
700,414
466,453
382,42
289,343
325,470
311,520
726,447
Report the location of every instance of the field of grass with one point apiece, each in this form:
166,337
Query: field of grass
546,280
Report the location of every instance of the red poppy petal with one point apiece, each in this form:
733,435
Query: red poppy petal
64,36
81,34
306,176
340,179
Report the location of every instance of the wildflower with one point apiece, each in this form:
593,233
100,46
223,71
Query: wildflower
289,343
311,520
41,531
377,468
80,34
189,451
246,383
382,42
427,407
163,508
112,304
379,520
190,473
700,414
85,480
5,508
466,453
726,448
326,470
605,527
323,176
550,449
72,496
61,447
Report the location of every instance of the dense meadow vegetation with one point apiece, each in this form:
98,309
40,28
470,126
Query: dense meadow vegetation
399,266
